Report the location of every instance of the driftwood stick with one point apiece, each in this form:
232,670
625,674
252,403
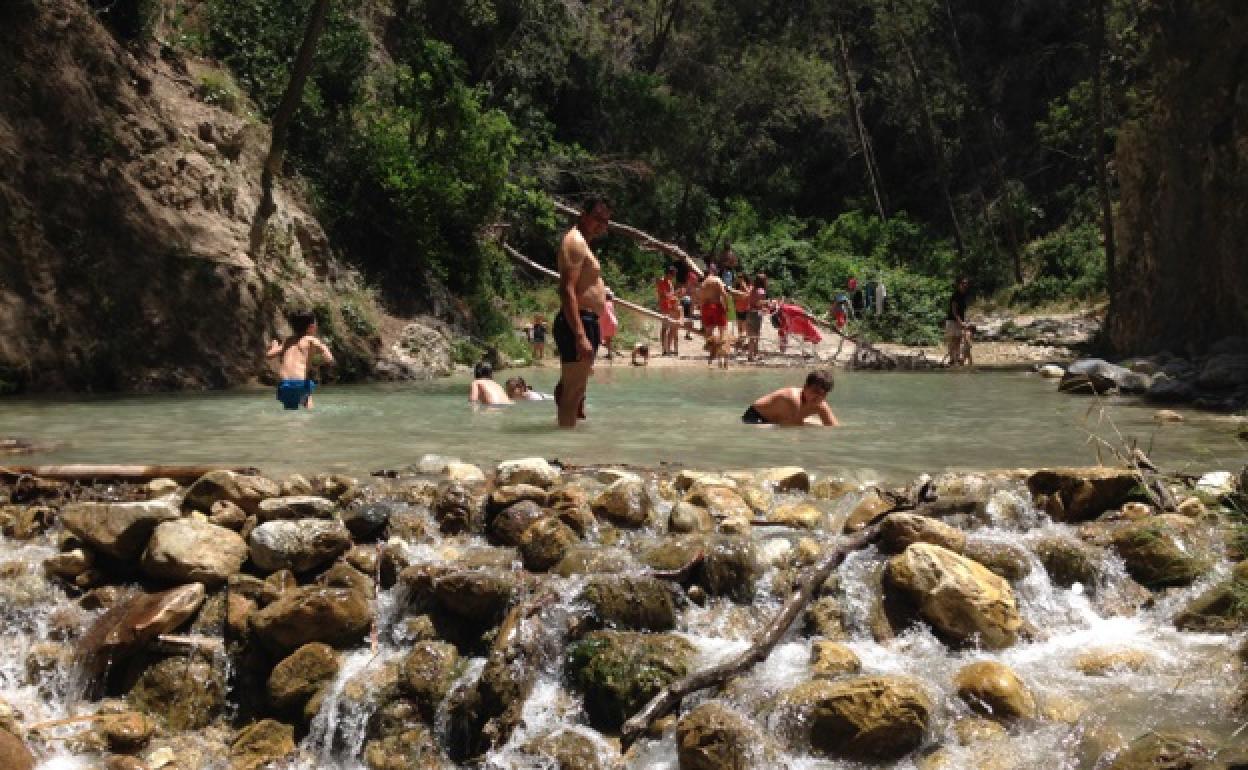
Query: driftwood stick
180,473
669,697
187,643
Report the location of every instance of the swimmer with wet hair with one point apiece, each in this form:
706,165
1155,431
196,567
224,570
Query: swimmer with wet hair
484,389
295,353
519,390
792,406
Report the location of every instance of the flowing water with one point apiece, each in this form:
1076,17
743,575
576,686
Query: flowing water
894,425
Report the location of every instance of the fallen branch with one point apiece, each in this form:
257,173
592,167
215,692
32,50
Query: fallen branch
133,473
518,257
179,644
669,697
648,242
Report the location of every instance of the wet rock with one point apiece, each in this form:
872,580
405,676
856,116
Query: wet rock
463,473
1104,662
800,515
731,567
365,518
1051,372
826,617
672,553
134,622
1192,508
457,510
1159,551
722,502
13,753
226,514
829,659
898,531
298,676
120,530
566,750
1222,609
121,762
245,491
509,525
336,616
977,730
193,550
787,479
832,489
69,564
994,690
366,559
687,517
1069,561
505,497
294,507
125,732
1216,485
631,603
870,718
714,737
260,743
184,693
428,672
476,594
686,480
872,504
1079,494
545,543
594,560
619,671
413,748
1169,750
962,600
296,485
299,546
530,470
624,504
1009,561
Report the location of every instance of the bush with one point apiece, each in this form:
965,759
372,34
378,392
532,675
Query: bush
1068,263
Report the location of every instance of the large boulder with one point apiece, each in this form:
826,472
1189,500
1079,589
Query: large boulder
714,737
427,674
877,718
631,602
624,503
1079,494
300,675
184,693
193,550
619,671
1093,375
994,690
479,595
899,531
245,491
962,600
1160,551
260,744
120,530
133,622
507,526
13,753
299,546
338,617
529,470
545,543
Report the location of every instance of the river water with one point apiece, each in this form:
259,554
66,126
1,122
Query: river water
894,425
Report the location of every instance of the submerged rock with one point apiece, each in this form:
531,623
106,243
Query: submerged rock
731,567
193,550
631,603
1222,609
299,546
260,743
963,601
619,671
687,517
1079,494
877,718
994,690
120,530
412,748
714,737
184,693
1103,662
1166,750
1069,561
245,491
545,543
566,750
801,515
872,504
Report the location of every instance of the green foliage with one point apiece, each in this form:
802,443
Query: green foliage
1068,263
218,89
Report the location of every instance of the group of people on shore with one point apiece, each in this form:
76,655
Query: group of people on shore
722,297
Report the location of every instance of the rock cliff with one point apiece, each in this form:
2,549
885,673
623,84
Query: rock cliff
1183,167
126,257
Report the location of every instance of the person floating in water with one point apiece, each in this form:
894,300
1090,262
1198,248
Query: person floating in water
295,353
581,300
791,406
484,390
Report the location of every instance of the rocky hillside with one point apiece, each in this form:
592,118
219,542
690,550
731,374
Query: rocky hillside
1184,213
126,260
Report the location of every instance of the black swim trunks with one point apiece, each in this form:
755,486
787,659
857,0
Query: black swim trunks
566,341
752,417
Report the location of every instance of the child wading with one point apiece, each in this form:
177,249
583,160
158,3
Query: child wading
295,388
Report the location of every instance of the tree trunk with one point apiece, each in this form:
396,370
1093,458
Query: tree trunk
860,127
1098,144
286,109
664,20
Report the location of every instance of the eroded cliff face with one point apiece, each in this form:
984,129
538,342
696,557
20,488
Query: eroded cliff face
1183,221
125,210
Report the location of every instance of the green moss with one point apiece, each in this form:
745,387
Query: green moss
620,671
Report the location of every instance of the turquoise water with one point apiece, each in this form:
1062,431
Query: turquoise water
894,425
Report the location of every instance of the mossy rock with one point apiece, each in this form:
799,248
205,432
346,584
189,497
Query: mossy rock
619,671
1159,554
631,603
1222,609
184,694
1069,561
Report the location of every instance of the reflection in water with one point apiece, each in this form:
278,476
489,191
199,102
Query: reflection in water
894,425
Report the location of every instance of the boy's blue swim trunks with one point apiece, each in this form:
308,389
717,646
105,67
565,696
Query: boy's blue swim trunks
294,393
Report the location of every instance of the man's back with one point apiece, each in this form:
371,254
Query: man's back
488,392
295,355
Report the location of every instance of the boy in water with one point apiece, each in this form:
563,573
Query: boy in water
791,406
295,388
484,389
538,339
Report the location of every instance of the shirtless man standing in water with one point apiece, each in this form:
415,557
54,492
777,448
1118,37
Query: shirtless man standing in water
581,300
295,352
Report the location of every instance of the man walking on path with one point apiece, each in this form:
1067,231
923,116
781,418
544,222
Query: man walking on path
955,320
581,300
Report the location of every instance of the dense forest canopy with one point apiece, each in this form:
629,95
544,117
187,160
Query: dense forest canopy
909,139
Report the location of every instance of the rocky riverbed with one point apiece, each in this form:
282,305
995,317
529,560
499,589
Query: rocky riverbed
516,617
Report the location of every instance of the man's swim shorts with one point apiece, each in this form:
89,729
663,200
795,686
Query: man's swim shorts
753,417
294,393
565,340
714,316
